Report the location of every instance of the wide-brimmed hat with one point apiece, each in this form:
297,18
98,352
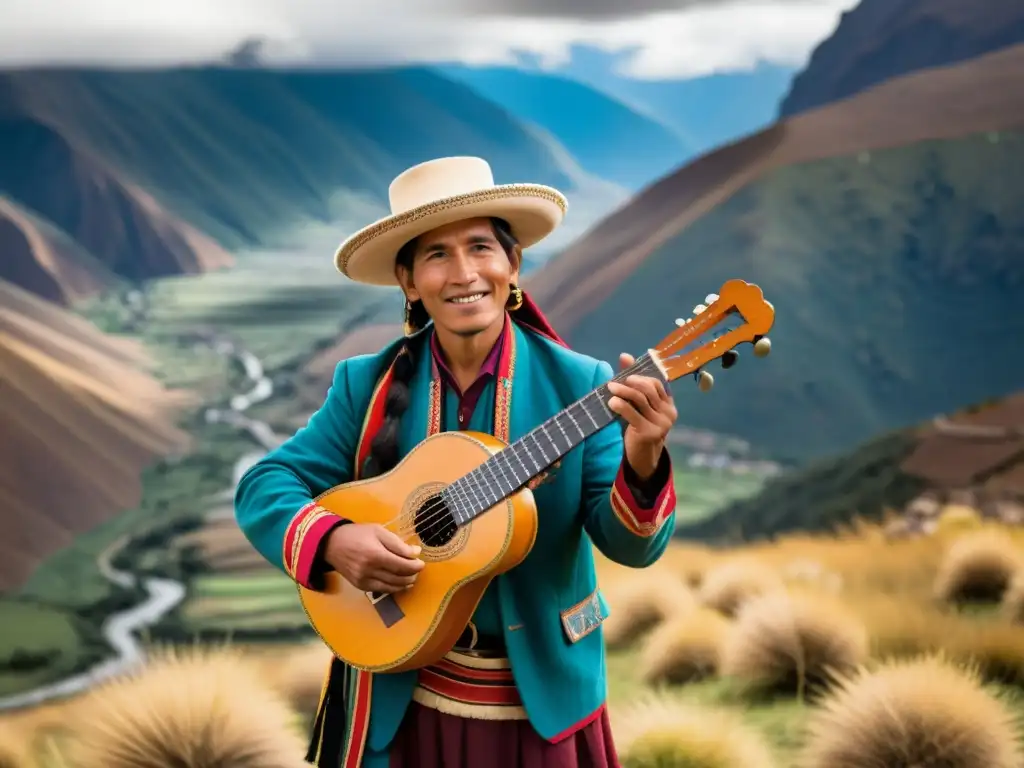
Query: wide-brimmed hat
439,192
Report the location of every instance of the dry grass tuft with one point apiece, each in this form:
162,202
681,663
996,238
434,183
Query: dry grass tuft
792,643
638,604
1013,599
727,586
958,518
193,709
685,649
661,732
917,713
14,752
300,674
978,567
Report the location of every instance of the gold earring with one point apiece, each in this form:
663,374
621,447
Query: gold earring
516,297
410,329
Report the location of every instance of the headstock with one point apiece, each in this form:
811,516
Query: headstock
736,300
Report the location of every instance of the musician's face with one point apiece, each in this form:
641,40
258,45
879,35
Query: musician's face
463,276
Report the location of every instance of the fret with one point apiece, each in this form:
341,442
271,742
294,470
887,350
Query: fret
509,470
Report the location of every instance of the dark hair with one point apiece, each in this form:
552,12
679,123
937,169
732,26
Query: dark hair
384,448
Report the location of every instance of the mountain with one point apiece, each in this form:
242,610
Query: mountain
81,419
882,39
705,112
45,261
608,137
976,453
887,231
133,165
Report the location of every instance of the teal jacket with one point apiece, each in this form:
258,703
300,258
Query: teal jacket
550,606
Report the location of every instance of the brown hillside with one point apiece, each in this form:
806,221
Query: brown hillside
43,263
80,420
986,93
115,222
980,446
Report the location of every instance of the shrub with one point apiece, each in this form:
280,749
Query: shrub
684,649
727,586
792,643
956,518
1013,599
301,675
908,714
638,604
660,732
977,568
197,709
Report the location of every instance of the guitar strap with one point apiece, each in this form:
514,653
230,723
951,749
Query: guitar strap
342,719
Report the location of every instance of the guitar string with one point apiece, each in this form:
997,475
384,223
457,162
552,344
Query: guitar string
436,510
437,506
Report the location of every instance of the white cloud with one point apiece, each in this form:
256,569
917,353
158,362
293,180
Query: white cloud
703,37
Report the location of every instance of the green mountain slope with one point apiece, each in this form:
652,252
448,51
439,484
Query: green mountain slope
897,281
248,156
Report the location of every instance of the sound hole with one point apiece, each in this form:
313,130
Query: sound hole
435,523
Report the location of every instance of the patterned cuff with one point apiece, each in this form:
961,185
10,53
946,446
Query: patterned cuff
644,520
302,542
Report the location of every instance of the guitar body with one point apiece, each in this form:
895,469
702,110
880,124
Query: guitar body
418,626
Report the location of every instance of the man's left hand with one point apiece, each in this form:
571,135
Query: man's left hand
650,412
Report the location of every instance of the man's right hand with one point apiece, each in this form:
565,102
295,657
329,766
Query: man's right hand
372,558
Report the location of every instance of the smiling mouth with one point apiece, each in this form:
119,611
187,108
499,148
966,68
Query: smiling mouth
471,299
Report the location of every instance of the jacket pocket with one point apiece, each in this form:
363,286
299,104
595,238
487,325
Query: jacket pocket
584,617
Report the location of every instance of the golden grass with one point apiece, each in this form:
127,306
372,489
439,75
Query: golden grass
913,713
14,749
684,649
1013,599
725,587
205,708
792,643
827,602
662,732
640,601
978,568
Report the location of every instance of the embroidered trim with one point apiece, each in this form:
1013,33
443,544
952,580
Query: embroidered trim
289,547
503,386
642,522
360,697
434,410
584,617
472,687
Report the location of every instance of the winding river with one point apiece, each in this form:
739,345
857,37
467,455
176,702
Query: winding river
121,629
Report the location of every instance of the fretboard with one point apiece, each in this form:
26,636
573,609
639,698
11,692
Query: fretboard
532,454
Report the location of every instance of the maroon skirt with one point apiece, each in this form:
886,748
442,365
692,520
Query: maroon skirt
432,739
485,725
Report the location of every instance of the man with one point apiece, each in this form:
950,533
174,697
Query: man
525,685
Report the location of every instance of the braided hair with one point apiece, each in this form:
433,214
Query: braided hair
384,448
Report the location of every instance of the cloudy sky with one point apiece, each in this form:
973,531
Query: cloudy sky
665,38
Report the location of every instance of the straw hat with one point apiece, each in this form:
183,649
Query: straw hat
439,192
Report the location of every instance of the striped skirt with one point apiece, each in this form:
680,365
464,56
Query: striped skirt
466,713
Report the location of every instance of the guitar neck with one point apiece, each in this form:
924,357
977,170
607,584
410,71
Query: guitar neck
509,470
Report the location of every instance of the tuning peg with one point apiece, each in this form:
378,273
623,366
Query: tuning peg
730,358
681,321
762,347
711,298
698,309
705,380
